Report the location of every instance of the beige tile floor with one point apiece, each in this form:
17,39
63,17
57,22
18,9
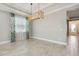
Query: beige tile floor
32,47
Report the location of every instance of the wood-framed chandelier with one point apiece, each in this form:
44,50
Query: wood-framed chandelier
37,15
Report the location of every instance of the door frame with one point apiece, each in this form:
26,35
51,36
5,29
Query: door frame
68,25
68,20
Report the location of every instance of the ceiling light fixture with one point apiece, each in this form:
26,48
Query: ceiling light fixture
37,15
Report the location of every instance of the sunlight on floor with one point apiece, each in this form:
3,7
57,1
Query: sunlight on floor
73,45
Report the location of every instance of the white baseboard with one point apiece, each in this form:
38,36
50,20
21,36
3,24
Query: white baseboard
4,42
52,41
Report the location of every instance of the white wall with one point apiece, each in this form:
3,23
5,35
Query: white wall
4,26
53,27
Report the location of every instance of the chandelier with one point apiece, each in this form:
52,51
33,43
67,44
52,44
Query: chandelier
37,15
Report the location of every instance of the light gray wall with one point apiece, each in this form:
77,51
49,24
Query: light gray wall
4,26
52,27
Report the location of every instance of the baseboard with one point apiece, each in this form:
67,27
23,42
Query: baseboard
4,42
52,41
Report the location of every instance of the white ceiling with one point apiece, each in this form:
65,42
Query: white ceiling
25,8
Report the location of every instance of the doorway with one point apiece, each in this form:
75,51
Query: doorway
73,27
73,36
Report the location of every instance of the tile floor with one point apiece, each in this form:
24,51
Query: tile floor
32,47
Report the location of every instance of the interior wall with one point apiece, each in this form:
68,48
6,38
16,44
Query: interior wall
53,27
4,26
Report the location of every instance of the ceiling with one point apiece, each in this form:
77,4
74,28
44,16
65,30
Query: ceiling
25,8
